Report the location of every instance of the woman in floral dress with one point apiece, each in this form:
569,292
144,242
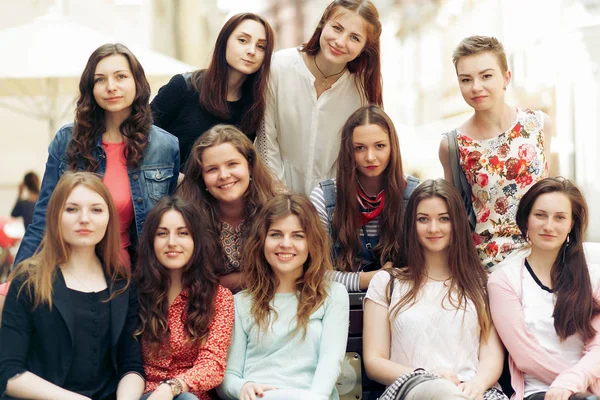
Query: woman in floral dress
503,149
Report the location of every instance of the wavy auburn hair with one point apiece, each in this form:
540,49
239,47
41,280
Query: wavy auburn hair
346,216
40,269
575,305
192,187
211,83
259,278
90,117
467,279
153,278
367,66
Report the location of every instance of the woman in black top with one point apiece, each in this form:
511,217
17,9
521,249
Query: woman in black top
25,205
231,90
69,317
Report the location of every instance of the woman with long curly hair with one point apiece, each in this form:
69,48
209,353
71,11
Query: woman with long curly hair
70,314
290,330
232,90
315,87
546,306
186,316
112,136
230,183
427,332
363,207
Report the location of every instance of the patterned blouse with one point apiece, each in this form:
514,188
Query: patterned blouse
201,367
232,242
500,171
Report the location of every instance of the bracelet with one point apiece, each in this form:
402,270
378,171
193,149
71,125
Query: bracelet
176,386
419,369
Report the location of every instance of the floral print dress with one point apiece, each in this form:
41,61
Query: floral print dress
500,171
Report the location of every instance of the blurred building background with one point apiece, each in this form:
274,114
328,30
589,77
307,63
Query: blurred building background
553,48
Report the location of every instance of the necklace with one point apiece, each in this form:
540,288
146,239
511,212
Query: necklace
438,280
86,287
325,84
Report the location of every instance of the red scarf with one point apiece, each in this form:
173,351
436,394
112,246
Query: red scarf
370,208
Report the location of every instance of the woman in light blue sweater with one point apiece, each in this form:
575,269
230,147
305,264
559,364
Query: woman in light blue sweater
290,330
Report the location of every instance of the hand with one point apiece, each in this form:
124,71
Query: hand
447,374
387,265
558,394
472,390
162,392
21,188
251,390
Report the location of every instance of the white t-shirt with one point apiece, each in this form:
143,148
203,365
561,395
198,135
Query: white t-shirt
538,307
427,334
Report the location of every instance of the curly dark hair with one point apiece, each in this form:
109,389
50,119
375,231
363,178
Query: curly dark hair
90,119
153,279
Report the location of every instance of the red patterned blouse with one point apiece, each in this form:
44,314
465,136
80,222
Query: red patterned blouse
200,367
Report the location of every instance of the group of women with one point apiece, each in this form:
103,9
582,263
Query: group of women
123,283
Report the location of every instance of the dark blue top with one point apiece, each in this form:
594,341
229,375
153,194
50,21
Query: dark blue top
24,208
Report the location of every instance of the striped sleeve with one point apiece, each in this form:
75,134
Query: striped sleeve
317,197
351,280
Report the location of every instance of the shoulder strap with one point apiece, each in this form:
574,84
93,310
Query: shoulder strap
459,178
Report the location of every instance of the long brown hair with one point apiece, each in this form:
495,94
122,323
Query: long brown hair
259,278
153,278
467,278
211,83
90,118
193,188
367,66
575,305
40,269
346,216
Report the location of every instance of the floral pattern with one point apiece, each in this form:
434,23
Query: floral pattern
500,171
232,242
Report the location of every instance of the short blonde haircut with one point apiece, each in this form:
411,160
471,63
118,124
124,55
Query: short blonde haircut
479,44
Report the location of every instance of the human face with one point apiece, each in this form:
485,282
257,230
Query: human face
434,228
84,218
371,149
286,248
226,173
114,86
481,80
173,243
549,221
343,37
246,47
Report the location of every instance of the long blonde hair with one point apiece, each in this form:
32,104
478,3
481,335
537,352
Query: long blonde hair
259,278
39,270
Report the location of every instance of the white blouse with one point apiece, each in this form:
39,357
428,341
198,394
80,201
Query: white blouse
300,137
427,334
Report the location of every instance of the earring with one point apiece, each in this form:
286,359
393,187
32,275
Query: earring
505,87
250,178
568,238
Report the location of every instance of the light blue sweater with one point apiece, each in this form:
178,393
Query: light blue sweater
275,357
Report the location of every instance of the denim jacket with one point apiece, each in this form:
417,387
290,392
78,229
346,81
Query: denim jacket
154,178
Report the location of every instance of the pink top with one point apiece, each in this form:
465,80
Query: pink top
526,355
117,181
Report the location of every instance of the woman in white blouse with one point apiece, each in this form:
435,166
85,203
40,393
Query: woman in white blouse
427,327
313,90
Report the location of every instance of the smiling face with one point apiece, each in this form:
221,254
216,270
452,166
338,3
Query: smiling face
225,172
343,37
114,85
371,149
173,243
246,47
549,221
286,248
481,80
433,225
84,218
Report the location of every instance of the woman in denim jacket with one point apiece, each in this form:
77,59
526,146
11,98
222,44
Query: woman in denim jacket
112,136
